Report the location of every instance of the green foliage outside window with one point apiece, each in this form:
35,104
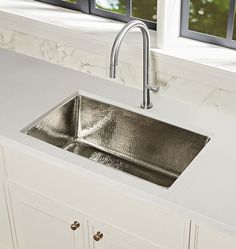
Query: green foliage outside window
115,6
144,9
209,16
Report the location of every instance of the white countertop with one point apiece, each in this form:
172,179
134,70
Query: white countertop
205,192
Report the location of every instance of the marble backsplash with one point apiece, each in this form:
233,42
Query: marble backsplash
130,74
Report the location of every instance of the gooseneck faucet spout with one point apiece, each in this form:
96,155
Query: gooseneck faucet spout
146,103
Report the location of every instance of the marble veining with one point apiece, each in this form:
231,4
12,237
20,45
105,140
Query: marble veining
80,60
182,89
7,38
68,57
36,47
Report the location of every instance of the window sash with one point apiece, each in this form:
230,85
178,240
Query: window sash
186,32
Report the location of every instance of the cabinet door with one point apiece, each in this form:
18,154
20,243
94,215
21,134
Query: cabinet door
5,231
103,236
208,238
42,223
2,175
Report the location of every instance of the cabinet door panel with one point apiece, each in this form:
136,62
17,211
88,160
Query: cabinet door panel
5,231
44,224
113,238
208,238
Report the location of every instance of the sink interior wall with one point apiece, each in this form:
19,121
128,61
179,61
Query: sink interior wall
145,147
134,137
59,126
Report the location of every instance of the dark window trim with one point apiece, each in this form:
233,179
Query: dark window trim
83,5
88,6
185,32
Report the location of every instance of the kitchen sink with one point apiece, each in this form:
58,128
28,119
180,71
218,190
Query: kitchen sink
115,137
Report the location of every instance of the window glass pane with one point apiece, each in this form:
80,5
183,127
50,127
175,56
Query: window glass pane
145,9
209,16
115,6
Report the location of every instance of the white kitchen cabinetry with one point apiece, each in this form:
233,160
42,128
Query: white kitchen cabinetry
41,223
205,237
47,198
120,209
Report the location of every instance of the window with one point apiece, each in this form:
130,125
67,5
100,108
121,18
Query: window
81,5
210,21
126,10
121,10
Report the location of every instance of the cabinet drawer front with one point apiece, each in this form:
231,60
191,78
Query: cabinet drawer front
99,199
208,238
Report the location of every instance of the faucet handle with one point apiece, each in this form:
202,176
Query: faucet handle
153,88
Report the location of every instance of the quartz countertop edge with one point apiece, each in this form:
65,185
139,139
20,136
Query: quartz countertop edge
204,192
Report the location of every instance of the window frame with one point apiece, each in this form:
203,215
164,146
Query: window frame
172,21
89,7
187,33
82,5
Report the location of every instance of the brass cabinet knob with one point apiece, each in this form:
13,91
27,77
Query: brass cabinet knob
75,225
98,236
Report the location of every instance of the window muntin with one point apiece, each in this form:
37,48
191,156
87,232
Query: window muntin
209,21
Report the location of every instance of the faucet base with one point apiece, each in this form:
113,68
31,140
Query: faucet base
146,106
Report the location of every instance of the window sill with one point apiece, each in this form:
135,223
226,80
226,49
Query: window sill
210,64
204,63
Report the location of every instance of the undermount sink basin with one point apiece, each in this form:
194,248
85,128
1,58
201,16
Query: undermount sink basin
144,147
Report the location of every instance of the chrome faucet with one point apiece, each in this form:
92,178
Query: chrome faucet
146,103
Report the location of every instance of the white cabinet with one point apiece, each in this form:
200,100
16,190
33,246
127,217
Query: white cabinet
41,223
207,238
98,199
103,236
5,231
47,198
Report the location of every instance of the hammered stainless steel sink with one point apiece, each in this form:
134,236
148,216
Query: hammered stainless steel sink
112,136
